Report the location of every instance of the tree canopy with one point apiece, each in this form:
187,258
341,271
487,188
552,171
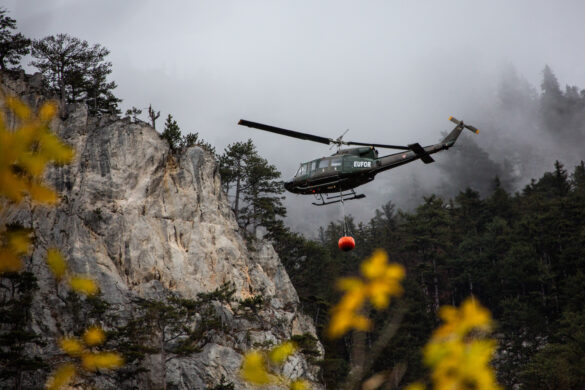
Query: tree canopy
76,71
12,45
253,184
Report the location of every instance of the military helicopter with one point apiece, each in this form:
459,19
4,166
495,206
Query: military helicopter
336,176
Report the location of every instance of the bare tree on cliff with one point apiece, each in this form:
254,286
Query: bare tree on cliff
76,71
153,115
12,46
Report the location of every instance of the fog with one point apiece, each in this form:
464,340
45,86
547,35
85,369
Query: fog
389,71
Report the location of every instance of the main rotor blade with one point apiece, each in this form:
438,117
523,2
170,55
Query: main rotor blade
399,147
289,133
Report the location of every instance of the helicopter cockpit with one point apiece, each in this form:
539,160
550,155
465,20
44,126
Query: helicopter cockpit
321,165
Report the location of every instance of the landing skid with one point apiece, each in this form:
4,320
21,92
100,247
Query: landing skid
342,197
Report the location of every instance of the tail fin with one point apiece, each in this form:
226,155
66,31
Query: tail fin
454,134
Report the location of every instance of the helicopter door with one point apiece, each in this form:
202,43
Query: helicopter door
312,168
322,168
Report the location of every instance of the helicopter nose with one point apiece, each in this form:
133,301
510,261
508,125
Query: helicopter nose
288,185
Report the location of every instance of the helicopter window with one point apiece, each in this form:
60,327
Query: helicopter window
313,165
323,163
302,169
336,162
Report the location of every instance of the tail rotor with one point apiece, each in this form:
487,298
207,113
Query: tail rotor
461,124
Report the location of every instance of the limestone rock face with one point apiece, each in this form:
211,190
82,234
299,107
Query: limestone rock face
143,221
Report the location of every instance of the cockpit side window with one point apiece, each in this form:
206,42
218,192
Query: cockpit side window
302,170
324,163
336,162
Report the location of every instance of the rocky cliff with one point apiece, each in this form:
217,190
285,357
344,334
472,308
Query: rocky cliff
146,223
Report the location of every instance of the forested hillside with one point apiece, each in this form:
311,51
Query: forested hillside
522,255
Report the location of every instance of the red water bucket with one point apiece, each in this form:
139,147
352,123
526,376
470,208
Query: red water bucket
346,243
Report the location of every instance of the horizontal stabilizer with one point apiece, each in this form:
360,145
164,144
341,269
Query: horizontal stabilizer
421,153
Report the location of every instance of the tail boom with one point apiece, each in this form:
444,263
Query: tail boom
423,153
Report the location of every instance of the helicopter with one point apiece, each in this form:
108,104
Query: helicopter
334,178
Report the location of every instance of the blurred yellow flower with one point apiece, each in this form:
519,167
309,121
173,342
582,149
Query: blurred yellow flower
16,243
101,360
56,263
71,346
254,369
48,111
9,262
26,150
18,107
461,321
94,336
24,153
457,353
415,386
281,352
343,321
61,377
299,385
85,286
380,281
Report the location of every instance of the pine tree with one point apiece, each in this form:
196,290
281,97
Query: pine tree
12,45
261,195
75,71
17,336
578,179
232,166
172,133
253,184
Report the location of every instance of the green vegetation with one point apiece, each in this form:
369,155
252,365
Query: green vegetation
177,142
17,337
12,45
252,183
76,72
522,255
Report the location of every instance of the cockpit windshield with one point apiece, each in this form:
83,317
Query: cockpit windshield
302,170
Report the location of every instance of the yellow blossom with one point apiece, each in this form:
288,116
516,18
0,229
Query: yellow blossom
9,262
254,369
345,320
299,385
375,266
56,263
61,377
18,107
94,336
48,111
461,321
101,360
85,286
19,241
457,354
281,352
415,386
24,153
380,281
71,346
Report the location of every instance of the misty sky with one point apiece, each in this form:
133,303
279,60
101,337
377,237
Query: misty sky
390,71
